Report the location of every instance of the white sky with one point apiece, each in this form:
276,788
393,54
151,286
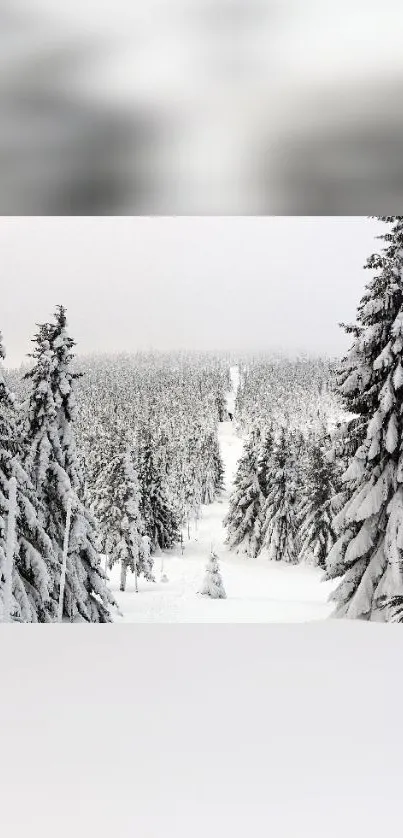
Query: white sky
195,282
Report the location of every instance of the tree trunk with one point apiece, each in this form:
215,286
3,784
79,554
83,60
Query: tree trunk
10,549
123,576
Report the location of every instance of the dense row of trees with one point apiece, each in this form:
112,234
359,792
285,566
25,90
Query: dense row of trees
287,479
129,444
285,393
167,407
285,490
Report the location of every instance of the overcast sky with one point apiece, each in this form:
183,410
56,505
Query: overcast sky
137,283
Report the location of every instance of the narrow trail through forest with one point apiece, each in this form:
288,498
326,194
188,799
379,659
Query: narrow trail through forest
257,590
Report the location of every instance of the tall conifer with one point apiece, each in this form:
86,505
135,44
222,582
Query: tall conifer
53,464
368,554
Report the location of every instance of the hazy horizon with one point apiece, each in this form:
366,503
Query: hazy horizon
271,352
237,284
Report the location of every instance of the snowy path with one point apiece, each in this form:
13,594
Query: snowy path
258,591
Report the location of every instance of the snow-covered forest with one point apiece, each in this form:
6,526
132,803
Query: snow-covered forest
207,486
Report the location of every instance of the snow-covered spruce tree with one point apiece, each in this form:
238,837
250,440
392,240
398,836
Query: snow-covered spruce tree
279,516
212,469
219,468
315,516
368,554
343,443
208,489
264,460
117,509
33,555
194,476
53,465
157,510
221,405
244,518
213,585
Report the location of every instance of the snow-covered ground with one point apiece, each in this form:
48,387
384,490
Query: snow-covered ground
258,591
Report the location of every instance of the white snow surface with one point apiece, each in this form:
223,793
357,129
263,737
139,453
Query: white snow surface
258,591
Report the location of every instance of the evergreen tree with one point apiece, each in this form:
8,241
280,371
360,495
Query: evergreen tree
213,469
264,460
193,489
213,585
369,550
219,468
317,512
221,405
279,529
243,520
159,515
54,467
33,558
117,508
